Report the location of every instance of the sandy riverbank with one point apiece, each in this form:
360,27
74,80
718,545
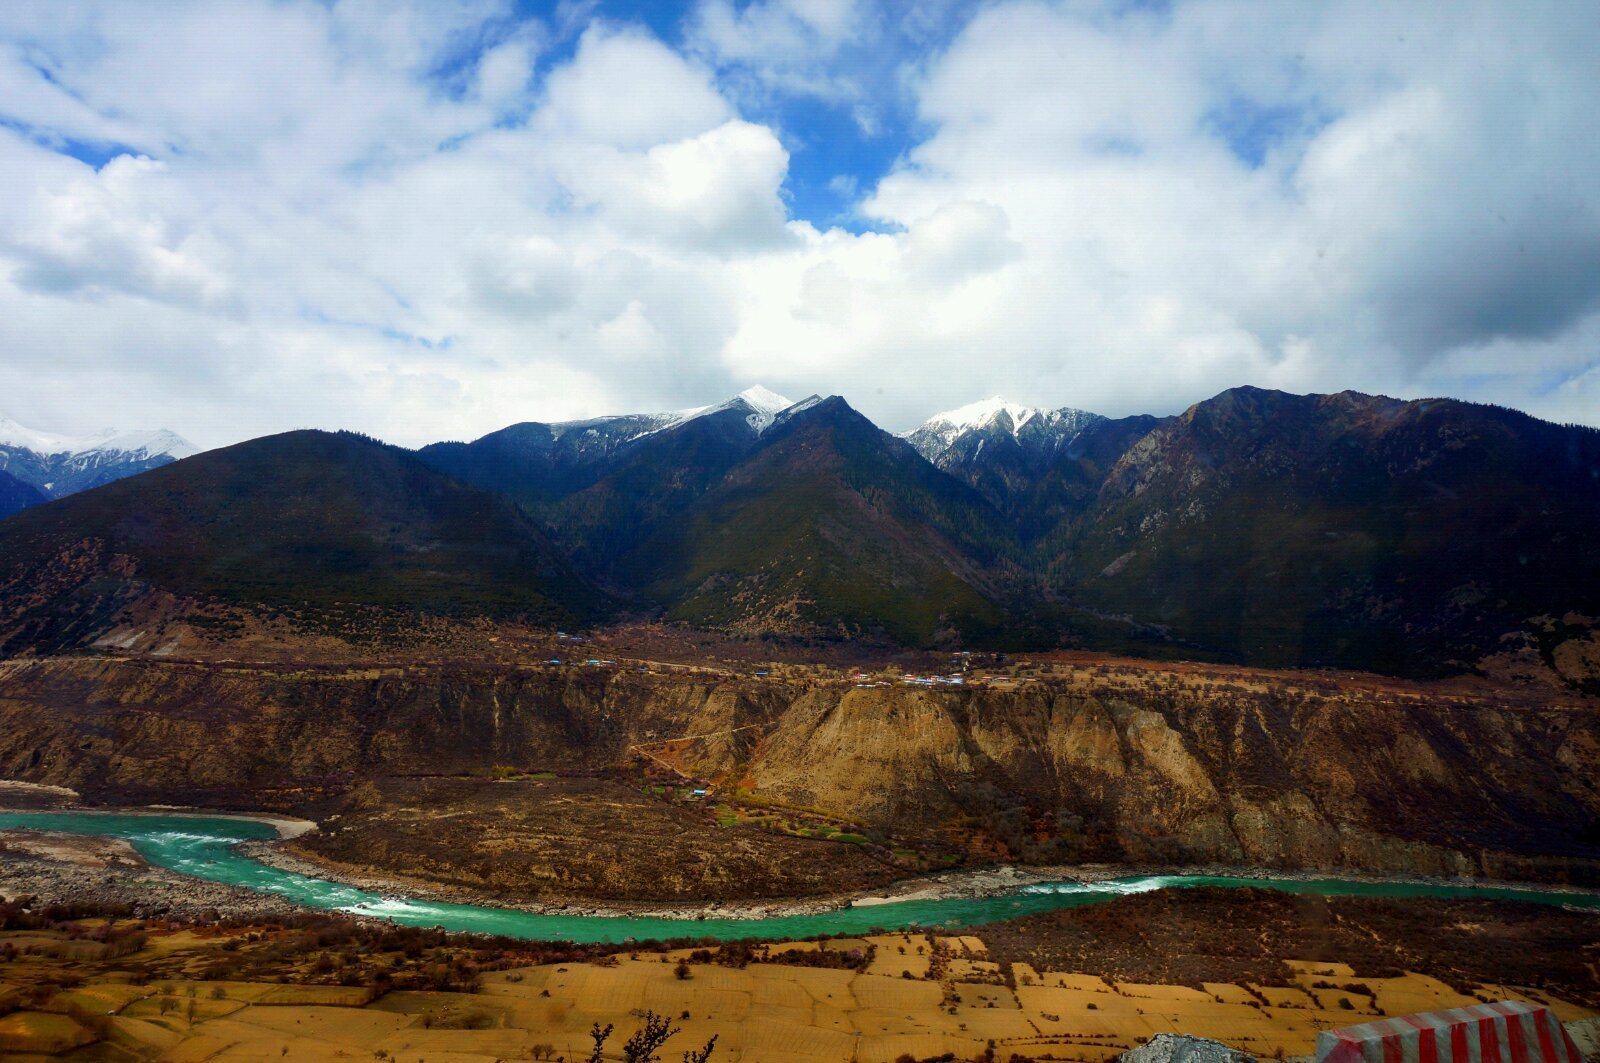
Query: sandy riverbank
19,796
38,792
287,827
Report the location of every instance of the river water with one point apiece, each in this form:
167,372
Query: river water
206,847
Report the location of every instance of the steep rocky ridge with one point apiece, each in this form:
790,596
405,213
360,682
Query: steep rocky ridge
1038,467
1284,774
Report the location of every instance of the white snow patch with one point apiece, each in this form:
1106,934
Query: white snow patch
146,443
984,412
764,407
764,400
1045,427
13,434
139,444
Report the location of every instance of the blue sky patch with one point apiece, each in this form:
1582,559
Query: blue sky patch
1251,129
95,153
834,160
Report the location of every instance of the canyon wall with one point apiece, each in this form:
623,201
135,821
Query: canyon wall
1149,772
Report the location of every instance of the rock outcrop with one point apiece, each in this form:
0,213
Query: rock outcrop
1181,1048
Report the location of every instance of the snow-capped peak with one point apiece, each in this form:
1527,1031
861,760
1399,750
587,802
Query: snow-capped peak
764,406
61,464
143,444
13,434
1043,430
146,443
764,400
984,412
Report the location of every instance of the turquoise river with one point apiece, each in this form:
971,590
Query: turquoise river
206,847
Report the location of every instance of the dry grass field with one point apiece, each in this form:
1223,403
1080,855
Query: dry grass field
770,1011
1256,970
879,998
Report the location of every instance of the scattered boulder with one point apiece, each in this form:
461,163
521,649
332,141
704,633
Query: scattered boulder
1181,1048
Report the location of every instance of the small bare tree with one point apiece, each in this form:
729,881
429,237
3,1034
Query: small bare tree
646,1042
648,1039
599,1034
703,1054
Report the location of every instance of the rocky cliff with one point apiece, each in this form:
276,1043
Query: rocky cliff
1096,764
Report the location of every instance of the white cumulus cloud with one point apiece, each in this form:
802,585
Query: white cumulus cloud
430,220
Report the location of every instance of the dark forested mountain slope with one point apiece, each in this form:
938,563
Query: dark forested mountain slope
538,464
830,525
1070,482
301,518
16,495
1346,529
650,484
803,519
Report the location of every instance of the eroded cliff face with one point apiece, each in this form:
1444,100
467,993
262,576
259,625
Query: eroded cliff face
1165,772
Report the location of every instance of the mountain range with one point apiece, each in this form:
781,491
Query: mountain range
1415,537
57,465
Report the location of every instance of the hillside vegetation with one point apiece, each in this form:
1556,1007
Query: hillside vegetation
303,518
1419,538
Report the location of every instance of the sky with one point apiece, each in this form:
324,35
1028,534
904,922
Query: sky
427,220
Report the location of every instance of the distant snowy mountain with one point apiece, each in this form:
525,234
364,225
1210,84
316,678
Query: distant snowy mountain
760,407
959,437
59,465
1039,467
605,434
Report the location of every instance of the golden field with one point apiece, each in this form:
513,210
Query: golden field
916,995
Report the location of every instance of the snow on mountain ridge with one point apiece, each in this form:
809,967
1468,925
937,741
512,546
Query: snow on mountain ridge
61,465
1034,427
764,406
644,422
984,412
146,443
13,434
763,399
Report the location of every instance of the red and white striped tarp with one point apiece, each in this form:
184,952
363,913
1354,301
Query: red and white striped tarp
1508,1032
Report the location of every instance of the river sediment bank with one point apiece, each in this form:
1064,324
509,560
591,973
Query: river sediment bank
30,866
48,869
968,883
